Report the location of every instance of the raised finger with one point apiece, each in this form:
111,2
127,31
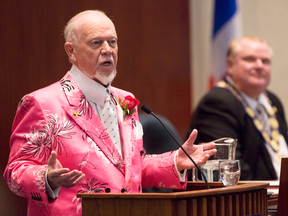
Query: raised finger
193,135
210,152
208,146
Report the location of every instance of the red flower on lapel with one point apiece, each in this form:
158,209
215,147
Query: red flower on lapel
128,105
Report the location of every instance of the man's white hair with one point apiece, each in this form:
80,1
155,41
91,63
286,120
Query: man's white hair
71,33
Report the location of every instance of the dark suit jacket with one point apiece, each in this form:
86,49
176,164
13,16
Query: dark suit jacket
220,114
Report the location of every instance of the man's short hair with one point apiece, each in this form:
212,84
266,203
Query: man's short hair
234,45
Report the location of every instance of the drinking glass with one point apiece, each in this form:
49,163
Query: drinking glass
229,172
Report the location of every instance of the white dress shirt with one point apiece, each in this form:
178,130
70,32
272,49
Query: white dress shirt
94,92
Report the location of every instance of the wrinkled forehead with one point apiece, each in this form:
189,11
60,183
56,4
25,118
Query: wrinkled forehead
94,19
92,22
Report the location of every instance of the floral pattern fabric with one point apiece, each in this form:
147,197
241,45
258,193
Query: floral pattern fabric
60,118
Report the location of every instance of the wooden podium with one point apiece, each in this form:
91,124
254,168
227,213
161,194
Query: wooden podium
243,199
282,208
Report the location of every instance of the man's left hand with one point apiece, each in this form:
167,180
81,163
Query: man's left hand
199,153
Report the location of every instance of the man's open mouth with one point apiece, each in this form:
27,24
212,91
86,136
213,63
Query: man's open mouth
106,63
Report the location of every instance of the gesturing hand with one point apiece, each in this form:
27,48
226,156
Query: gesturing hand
199,153
58,176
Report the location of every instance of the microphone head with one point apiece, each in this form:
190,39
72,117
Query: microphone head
146,109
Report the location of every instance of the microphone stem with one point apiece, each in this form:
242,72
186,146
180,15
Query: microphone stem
204,177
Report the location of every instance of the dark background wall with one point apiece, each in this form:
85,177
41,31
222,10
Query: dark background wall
153,59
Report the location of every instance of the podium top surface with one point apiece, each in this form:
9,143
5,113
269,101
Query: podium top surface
194,189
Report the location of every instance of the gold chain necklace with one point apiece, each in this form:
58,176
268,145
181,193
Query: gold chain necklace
273,140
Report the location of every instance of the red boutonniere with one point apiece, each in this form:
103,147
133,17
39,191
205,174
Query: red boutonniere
128,105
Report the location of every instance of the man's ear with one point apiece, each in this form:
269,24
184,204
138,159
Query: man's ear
69,48
229,64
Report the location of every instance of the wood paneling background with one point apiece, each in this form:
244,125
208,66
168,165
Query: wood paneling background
153,59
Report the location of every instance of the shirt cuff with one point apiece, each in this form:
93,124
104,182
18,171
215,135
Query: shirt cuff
181,175
51,193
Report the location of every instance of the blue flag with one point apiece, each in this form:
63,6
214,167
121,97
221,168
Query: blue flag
226,26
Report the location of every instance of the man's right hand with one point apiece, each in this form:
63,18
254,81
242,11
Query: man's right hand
61,177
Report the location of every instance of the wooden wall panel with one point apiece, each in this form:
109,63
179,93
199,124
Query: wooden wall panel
153,59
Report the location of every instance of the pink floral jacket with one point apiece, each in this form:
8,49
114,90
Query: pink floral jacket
60,118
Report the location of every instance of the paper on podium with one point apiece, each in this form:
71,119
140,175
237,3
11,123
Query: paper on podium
272,190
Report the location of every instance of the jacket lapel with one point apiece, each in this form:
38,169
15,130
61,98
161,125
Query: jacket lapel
126,134
83,114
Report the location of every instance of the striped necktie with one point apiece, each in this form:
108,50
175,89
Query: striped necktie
263,118
109,121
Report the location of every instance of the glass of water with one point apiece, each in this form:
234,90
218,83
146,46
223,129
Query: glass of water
229,171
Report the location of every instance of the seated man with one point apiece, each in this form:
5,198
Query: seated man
231,110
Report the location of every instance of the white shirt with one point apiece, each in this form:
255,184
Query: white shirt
94,92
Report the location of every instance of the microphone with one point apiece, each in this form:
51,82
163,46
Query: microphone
148,110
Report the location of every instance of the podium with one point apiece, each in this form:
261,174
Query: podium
282,208
196,200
